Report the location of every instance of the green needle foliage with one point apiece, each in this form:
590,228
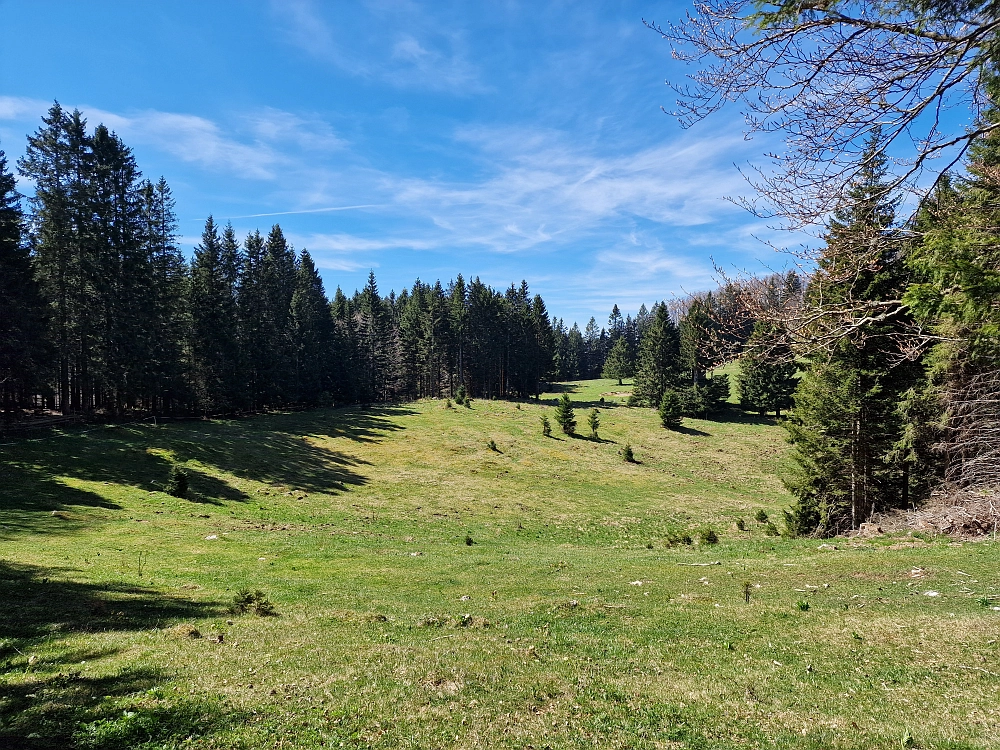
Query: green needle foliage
671,409
564,415
594,422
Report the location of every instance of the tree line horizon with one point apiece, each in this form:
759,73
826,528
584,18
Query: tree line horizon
105,315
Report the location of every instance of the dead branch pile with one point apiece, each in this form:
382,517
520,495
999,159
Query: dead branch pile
960,513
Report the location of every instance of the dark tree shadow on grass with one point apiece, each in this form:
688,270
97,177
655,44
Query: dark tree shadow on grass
278,449
735,415
693,431
46,701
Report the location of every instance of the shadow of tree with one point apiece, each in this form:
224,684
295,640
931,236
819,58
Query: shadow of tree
276,449
735,415
39,709
690,431
32,493
114,712
49,603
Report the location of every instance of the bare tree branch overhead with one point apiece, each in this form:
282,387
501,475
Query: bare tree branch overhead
829,74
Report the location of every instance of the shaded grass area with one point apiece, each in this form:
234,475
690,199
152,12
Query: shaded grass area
575,618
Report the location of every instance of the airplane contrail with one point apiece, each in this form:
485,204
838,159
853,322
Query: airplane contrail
306,211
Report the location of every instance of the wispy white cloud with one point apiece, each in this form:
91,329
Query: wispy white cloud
20,108
195,139
398,44
544,188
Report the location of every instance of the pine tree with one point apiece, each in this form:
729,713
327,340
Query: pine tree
619,363
766,380
658,365
564,415
21,308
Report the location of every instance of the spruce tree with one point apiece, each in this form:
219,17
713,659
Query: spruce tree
619,363
313,333
165,376
594,422
670,409
22,334
766,380
58,161
846,420
658,365
564,415
279,272
214,344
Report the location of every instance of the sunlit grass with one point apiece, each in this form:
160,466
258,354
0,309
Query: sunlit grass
571,619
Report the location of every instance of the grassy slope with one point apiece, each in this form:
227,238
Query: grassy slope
354,522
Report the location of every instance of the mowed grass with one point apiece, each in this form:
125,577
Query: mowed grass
571,620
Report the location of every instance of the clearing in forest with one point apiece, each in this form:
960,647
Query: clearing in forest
450,577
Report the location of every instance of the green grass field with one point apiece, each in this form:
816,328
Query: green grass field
571,620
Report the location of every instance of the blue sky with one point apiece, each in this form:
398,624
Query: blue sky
505,140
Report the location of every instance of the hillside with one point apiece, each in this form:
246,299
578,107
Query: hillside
434,592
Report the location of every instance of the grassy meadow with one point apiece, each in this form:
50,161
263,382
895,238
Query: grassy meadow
433,592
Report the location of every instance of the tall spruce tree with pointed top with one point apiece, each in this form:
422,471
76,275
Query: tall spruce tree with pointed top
22,334
59,162
214,343
619,363
313,334
846,419
658,364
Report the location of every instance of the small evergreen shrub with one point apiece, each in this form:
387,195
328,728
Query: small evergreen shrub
256,602
679,537
447,403
627,454
564,416
741,525
594,421
747,590
492,445
468,403
469,541
802,605
177,484
670,410
633,400
460,395
708,536
771,529
546,426
761,516
602,399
